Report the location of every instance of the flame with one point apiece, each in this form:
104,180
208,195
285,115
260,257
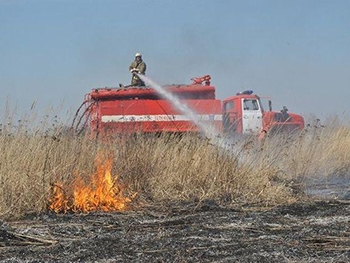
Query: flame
58,202
102,193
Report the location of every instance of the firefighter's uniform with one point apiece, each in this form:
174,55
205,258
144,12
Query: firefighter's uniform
137,66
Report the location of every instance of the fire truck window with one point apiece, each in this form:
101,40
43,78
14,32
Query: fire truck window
229,105
250,104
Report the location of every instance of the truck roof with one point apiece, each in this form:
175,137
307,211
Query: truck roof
247,96
192,91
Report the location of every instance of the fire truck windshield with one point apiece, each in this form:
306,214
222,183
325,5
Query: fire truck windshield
250,104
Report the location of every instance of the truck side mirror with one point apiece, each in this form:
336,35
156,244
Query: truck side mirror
270,105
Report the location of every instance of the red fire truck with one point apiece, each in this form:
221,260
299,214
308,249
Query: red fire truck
131,109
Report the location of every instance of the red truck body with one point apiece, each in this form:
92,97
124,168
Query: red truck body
128,110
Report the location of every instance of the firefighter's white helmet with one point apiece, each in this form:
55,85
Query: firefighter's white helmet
138,54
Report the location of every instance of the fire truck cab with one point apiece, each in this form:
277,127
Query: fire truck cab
245,114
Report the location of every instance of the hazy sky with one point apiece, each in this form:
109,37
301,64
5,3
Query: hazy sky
296,52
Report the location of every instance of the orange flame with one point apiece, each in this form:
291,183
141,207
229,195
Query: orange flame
103,193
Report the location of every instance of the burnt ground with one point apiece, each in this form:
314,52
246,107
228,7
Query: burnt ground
317,231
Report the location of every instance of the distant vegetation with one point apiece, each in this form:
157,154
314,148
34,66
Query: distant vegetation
168,168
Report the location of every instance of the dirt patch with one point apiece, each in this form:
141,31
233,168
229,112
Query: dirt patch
306,232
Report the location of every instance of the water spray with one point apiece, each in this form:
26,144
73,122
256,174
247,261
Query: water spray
206,128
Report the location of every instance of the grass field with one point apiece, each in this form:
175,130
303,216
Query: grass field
167,168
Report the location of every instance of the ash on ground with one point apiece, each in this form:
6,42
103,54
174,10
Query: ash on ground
317,231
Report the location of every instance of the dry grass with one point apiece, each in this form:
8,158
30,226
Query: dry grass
167,168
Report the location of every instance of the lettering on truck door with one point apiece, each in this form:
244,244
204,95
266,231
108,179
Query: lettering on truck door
251,116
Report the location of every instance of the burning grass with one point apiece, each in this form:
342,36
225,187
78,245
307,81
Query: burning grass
103,192
163,169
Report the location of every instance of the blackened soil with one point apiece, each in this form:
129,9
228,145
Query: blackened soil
305,232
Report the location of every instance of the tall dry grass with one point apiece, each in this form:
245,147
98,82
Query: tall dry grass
167,168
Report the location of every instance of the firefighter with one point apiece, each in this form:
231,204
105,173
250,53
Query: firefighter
137,66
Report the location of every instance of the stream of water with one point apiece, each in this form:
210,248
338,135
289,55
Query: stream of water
206,128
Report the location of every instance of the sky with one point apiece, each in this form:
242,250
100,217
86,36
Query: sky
295,52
